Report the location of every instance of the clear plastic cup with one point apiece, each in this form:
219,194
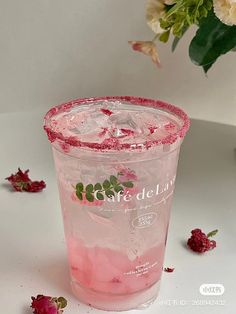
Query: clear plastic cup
116,160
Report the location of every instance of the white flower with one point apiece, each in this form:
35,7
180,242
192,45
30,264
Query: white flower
225,10
170,2
155,9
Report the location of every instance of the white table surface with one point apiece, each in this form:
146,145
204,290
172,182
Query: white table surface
33,256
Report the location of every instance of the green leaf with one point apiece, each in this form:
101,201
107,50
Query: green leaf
175,43
212,233
118,188
164,36
177,29
212,40
100,196
106,184
113,180
188,19
177,39
80,186
89,188
62,302
97,187
109,193
203,12
208,4
89,197
127,184
164,24
207,67
79,195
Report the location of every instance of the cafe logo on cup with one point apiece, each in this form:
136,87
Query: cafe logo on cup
145,220
115,190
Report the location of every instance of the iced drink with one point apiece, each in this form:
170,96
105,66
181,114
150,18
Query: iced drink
116,160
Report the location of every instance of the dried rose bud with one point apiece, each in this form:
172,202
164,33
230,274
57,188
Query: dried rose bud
48,305
21,182
199,242
169,269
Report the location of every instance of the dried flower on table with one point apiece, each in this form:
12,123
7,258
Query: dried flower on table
169,269
20,181
48,305
199,242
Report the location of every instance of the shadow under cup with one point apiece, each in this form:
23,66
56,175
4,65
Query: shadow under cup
116,161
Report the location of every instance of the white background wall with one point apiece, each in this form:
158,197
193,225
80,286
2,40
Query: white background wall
55,50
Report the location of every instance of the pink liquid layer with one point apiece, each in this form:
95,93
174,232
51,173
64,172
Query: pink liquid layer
112,273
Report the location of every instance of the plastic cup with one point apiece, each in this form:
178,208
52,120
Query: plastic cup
116,161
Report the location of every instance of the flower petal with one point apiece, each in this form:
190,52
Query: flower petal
155,9
148,48
225,10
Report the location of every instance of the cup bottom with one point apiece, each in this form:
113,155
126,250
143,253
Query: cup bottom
110,302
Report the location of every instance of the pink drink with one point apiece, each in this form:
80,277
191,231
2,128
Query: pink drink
116,160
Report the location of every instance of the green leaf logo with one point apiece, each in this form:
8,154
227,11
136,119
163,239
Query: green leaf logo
79,187
99,190
106,184
89,197
79,195
89,188
97,187
128,184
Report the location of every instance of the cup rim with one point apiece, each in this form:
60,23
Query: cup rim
114,145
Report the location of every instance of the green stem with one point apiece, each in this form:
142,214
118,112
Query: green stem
175,8
155,37
196,11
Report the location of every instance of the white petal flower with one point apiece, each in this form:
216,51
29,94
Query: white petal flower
155,9
225,10
170,2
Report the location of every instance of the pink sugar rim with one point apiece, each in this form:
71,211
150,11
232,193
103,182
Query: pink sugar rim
114,144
